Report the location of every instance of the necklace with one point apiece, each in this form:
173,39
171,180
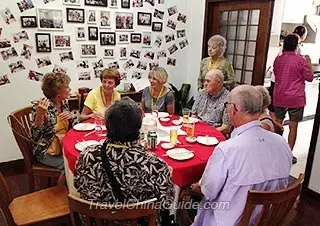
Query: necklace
158,97
214,64
104,98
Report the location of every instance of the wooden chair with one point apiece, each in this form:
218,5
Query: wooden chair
20,122
275,204
111,213
49,205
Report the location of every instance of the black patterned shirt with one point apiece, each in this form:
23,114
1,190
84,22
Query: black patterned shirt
140,173
43,135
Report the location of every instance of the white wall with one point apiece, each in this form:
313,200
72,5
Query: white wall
20,91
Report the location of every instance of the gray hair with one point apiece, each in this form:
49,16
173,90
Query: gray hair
266,99
159,73
248,98
220,41
216,74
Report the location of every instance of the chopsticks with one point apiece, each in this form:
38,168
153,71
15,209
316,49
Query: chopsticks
179,154
87,134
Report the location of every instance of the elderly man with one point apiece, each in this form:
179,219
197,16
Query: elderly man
209,103
253,158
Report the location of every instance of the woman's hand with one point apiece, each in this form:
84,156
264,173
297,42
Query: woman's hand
41,111
97,115
66,115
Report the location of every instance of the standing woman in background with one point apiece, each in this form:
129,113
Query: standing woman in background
217,45
157,96
99,99
302,32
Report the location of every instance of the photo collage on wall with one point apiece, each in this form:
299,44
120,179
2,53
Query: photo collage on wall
133,36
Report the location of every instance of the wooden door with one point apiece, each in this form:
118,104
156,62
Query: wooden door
246,27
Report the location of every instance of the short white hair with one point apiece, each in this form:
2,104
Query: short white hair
216,74
248,98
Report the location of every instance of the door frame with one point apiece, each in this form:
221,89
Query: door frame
263,38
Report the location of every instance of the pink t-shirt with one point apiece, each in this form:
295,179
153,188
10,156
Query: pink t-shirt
291,71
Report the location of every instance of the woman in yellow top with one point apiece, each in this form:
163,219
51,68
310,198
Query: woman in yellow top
100,98
216,49
157,96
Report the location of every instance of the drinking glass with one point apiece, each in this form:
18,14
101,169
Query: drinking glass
99,122
190,129
155,111
185,115
173,136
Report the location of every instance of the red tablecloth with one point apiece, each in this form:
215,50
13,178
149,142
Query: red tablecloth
184,172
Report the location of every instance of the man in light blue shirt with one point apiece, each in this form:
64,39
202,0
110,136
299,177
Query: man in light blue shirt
253,158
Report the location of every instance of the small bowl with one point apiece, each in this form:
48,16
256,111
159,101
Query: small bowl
177,122
167,146
191,139
164,119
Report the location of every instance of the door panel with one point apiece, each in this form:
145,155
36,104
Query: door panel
246,27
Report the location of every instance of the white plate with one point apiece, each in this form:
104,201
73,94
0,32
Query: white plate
84,126
80,146
191,139
206,140
164,119
180,154
193,120
177,122
163,114
167,146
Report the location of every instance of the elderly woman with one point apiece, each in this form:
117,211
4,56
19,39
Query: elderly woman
51,119
158,96
216,48
265,119
140,174
102,97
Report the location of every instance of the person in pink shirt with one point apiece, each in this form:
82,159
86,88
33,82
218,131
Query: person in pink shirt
291,70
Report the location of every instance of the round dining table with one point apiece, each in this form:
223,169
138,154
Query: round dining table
184,172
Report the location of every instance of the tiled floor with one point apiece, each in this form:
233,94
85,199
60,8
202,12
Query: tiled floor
301,147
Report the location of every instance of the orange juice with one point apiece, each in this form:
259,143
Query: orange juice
190,129
173,136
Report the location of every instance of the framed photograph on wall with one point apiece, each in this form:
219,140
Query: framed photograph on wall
146,39
135,38
107,38
125,4
75,15
61,41
88,50
113,4
144,18
104,20
108,53
92,33
28,21
157,26
124,21
50,19
123,38
96,2
91,16
81,33
71,2
43,42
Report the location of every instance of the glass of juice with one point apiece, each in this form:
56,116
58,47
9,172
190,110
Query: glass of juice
185,115
190,129
173,136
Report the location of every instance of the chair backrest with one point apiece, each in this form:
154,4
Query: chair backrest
20,122
122,214
5,200
275,204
